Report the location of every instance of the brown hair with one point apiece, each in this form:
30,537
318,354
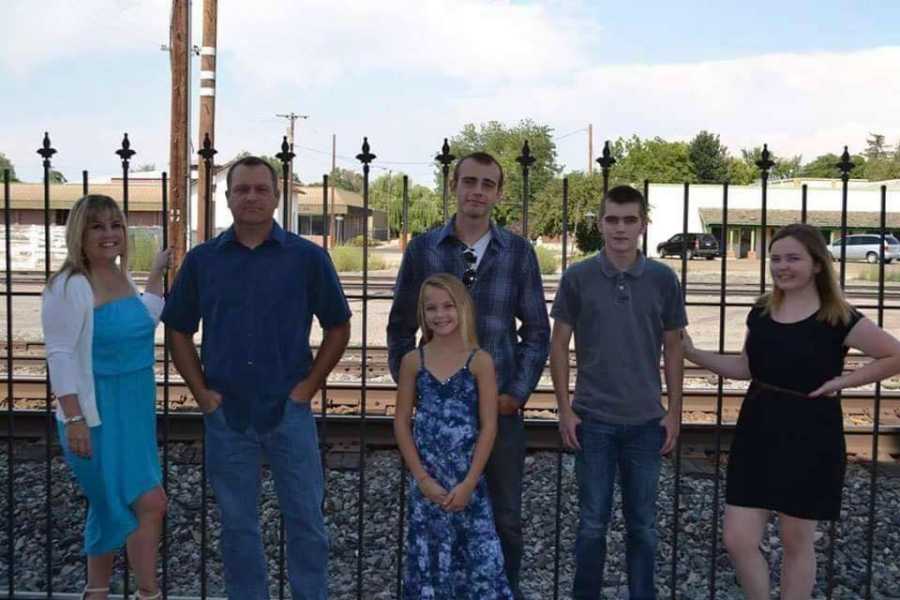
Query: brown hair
834,308
482,158
625,194
251,161
465,308
85,210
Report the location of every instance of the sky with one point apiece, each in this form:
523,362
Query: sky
807,77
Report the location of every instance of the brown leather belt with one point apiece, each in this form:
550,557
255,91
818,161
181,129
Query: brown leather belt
780,390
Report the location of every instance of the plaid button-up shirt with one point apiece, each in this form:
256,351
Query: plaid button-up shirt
508,288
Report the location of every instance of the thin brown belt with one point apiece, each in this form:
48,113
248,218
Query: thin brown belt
780,390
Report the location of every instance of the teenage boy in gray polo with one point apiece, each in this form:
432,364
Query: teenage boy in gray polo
624,309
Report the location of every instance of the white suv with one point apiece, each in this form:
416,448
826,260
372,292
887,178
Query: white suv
866,247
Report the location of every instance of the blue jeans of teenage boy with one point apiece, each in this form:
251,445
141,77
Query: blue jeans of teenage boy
633,451
234,461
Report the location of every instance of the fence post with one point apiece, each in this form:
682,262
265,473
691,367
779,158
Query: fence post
125,153
525,160
287,181
47,152
445,158
765,163
365,157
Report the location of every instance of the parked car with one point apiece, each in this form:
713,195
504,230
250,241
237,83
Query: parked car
866,246
698,244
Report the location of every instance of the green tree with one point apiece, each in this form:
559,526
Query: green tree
875,148
345,179
424,211
505,144
585,193
56,176
740,169
652,159
708,157
881,163
5,163
825,167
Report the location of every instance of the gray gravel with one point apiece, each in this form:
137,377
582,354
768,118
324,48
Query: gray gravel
381,531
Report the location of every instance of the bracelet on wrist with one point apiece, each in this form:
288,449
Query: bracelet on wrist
70,420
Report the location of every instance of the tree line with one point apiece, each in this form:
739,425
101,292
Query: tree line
703,159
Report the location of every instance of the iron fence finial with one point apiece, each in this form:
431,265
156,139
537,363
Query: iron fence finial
286,155
525,159
46,150
125,152
207,151
606,160
365,157
846,165
445,158
765,161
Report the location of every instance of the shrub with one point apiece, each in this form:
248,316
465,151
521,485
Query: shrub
359,243
350,259
581,257
547,259
871,274
142,248
587,237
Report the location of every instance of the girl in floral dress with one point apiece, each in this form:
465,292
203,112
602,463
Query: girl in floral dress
453,552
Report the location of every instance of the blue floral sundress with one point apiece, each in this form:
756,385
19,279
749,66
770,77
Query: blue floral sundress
450,555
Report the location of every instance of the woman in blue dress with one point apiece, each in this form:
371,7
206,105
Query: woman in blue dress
99,334
453,552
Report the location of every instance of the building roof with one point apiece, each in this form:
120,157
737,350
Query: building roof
778,218
143,197
311,202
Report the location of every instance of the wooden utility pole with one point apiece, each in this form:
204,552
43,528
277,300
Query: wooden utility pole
331,228
207,119
292,117
179,135
590,149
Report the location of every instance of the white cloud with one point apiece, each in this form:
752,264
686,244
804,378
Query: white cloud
36,34
321,41
419,70
799,103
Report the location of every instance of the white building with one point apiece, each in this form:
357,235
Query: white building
783,206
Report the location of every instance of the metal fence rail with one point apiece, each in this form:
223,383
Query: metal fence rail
443,161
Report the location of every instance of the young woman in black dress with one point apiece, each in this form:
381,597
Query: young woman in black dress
788,453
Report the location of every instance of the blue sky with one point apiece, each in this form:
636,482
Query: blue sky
806,77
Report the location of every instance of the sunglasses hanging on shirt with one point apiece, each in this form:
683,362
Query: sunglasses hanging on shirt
470,276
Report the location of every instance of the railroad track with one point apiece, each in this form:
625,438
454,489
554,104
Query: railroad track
380,287
178,412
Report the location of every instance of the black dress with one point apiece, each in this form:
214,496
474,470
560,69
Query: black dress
788,453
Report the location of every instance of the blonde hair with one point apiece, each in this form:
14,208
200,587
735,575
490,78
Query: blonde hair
834,308
87,209
465,308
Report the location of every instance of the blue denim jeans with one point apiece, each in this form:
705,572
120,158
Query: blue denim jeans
234,462
503,473
633,451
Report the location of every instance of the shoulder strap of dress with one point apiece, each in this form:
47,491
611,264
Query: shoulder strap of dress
471,356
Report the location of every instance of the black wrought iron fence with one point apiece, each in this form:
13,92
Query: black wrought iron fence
370,429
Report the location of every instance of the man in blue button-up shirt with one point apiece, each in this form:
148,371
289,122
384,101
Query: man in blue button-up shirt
502,274
256,289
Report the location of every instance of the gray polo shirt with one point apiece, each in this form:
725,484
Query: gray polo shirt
619,318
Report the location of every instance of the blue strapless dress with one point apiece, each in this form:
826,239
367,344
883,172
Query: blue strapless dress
125,462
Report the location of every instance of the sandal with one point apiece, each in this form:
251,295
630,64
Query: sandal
140,595
88,590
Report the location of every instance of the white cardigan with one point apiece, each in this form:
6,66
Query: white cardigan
67,316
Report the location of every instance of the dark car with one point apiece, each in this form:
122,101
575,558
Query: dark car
698,244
